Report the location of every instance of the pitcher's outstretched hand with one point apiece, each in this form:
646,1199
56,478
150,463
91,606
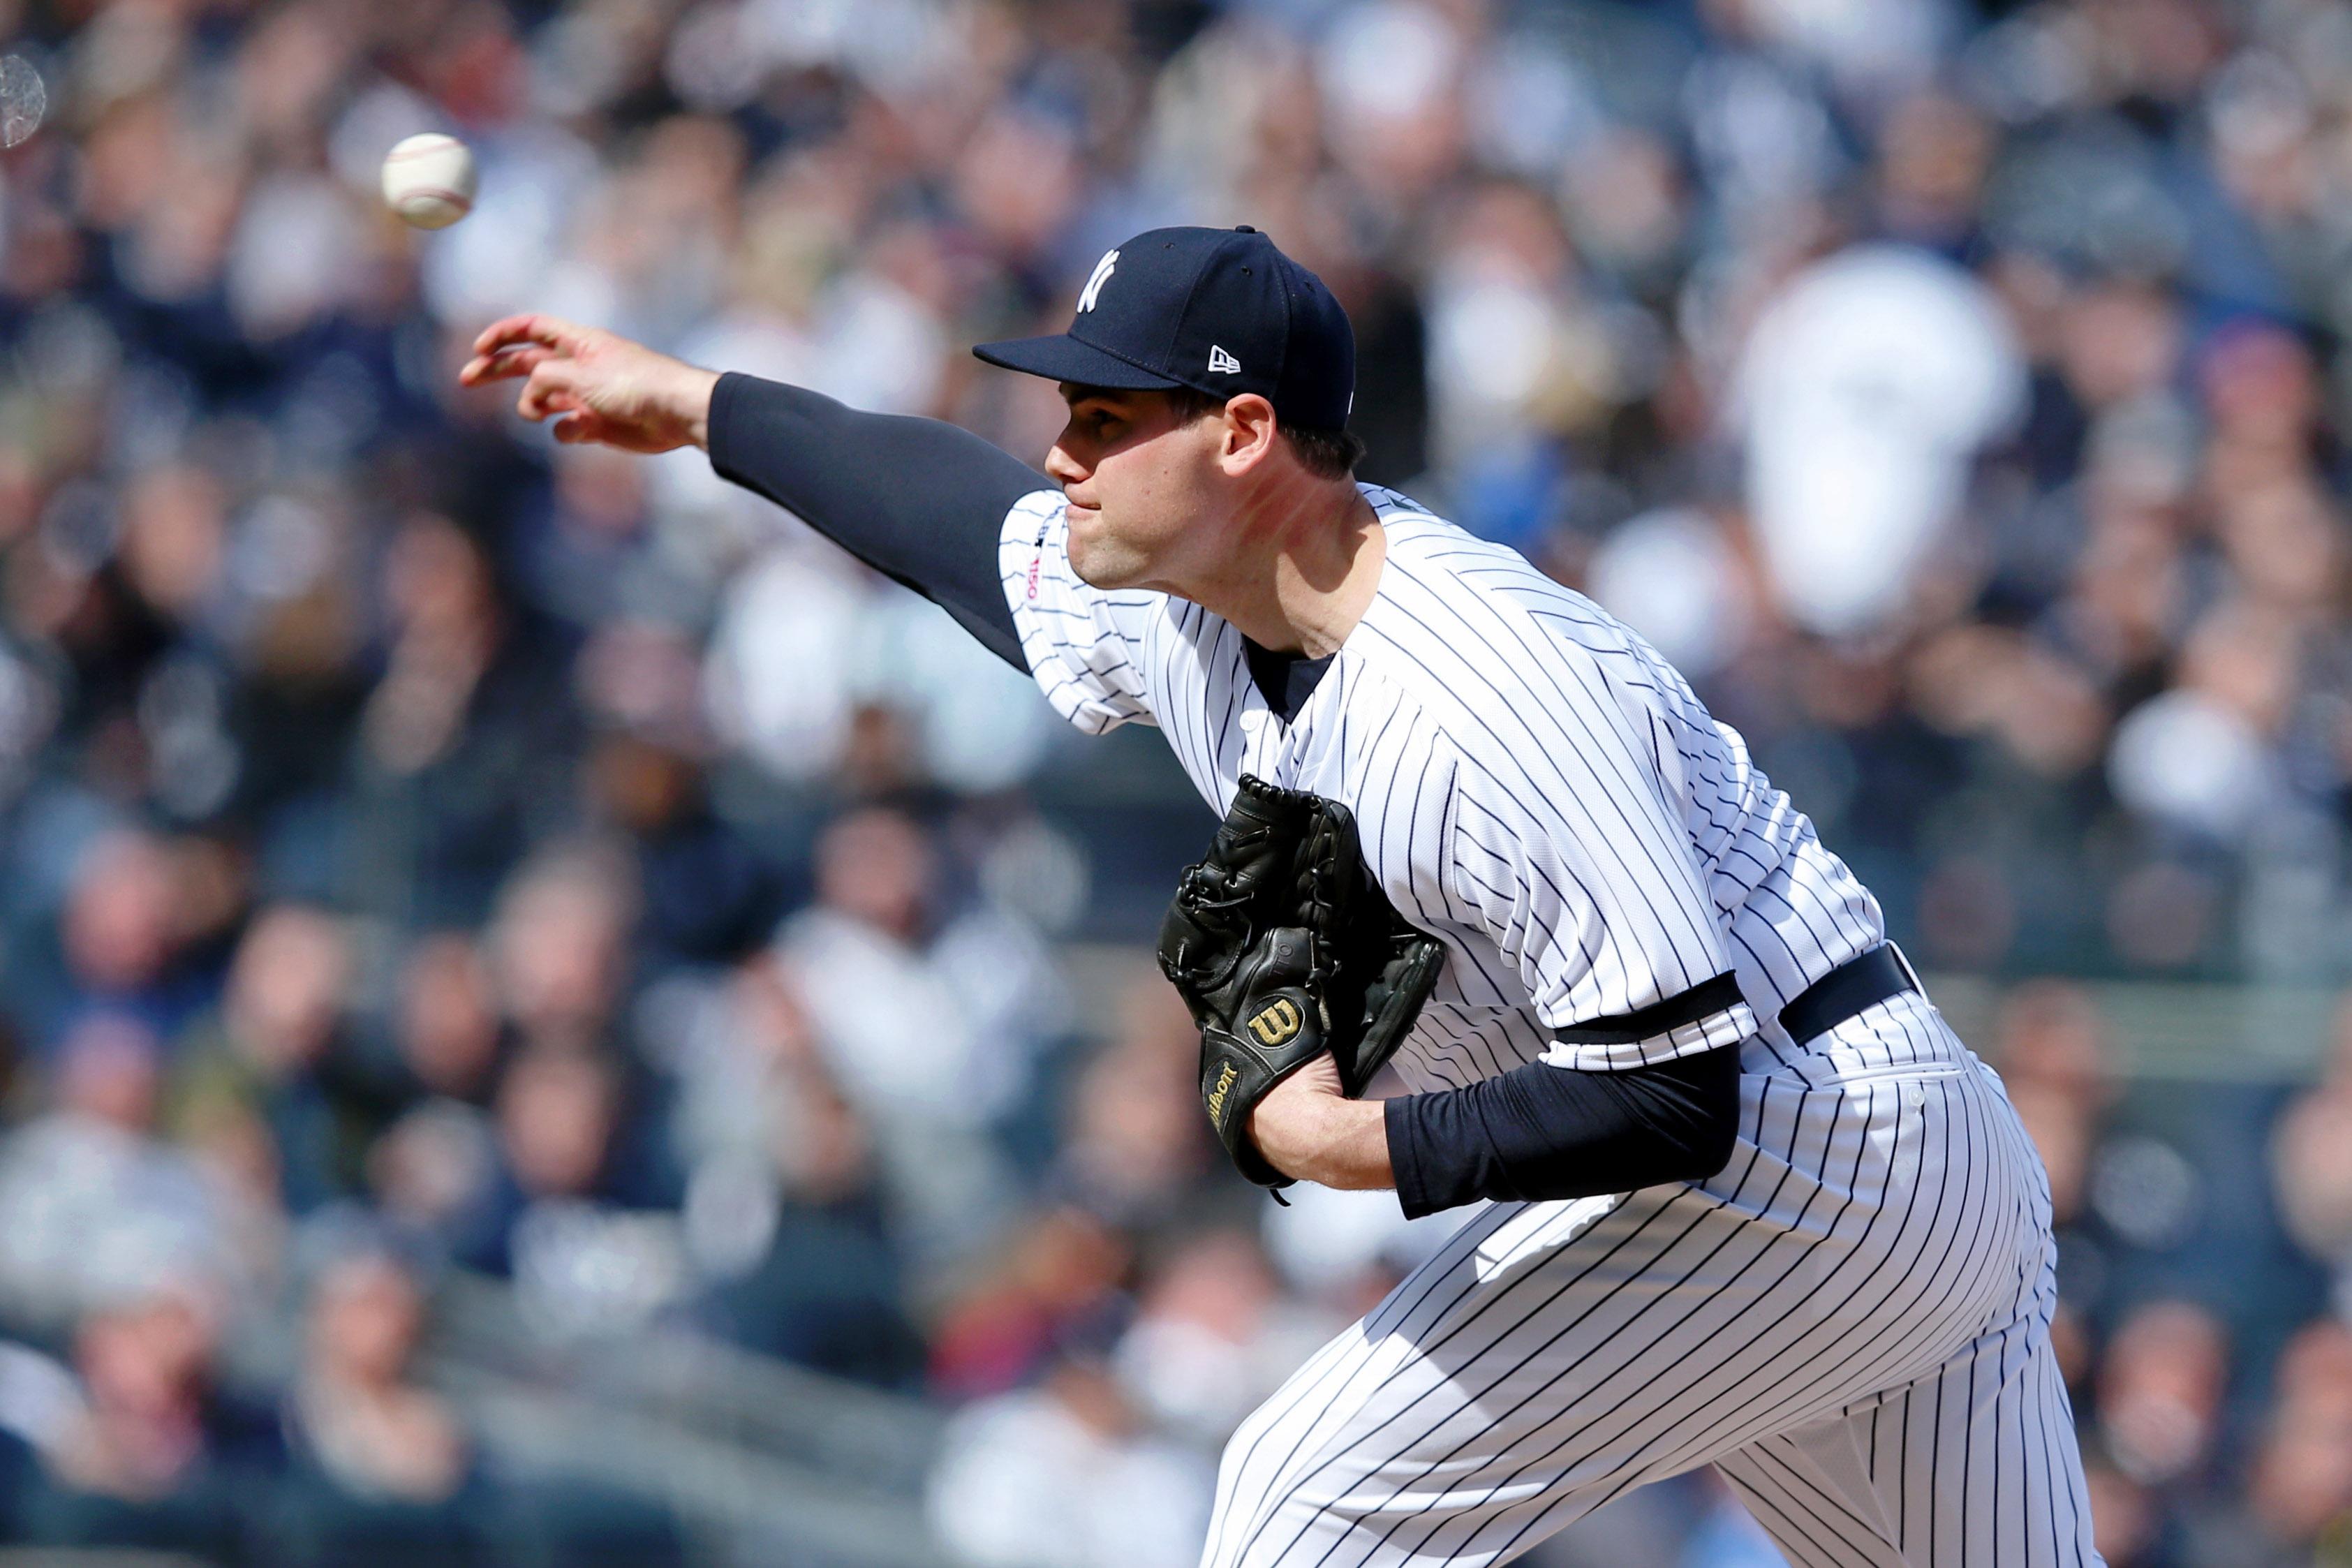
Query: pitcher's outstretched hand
597,385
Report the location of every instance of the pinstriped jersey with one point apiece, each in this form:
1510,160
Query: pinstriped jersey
1532,784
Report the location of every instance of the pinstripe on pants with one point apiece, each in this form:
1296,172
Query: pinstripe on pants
1855,1332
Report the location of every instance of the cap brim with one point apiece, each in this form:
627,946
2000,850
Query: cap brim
1063,358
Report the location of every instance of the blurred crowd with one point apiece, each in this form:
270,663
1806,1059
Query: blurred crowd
430,849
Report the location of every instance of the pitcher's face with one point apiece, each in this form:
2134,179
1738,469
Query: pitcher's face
1141,480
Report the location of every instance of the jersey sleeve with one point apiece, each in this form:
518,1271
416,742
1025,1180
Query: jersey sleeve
1085,647
1589,886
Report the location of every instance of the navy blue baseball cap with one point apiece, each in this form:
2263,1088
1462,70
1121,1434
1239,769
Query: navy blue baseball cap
1217,310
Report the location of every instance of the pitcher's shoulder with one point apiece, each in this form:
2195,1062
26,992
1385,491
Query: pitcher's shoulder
1484,600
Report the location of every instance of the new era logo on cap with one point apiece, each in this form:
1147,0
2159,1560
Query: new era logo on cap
1218,310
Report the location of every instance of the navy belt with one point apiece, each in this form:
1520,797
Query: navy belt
1856,984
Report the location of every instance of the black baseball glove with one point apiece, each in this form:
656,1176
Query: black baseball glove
1283,949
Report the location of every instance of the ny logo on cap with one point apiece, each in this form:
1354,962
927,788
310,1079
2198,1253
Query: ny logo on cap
1094,285
1222,364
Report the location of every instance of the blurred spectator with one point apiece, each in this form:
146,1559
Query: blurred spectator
379,1462
1213,1338
1061,1281
784,1219
1064,1476
564,1211
1866,389
360,1422
272,1055
1135,1147
94,1207
467,735
450,1036
2125,1526
2300,1492
927,1017
2160,1392
559,940
1347,1251
2051,1052
124,932
158,1457
2311,1160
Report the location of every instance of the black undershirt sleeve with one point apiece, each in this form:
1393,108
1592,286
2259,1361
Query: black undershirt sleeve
1543,1132
917,500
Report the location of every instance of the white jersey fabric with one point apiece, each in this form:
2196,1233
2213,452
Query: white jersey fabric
1531,782
1851,1322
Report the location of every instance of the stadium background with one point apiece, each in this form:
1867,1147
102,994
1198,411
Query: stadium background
550,1018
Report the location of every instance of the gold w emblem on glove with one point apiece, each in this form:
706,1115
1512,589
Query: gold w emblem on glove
1277,1022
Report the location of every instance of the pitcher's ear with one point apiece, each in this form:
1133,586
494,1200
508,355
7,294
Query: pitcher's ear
1250,432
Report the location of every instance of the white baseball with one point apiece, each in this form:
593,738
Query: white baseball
428,180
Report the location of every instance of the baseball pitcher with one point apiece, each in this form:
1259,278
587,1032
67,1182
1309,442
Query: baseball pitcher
1746,1200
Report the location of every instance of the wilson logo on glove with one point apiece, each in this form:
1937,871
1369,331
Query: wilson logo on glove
1285,948
1217,1096
1277,1023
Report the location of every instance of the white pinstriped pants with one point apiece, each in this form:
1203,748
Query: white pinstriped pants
1851,1323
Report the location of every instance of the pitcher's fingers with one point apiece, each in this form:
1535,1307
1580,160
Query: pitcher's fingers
554,387
581,425
552,331
503,365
